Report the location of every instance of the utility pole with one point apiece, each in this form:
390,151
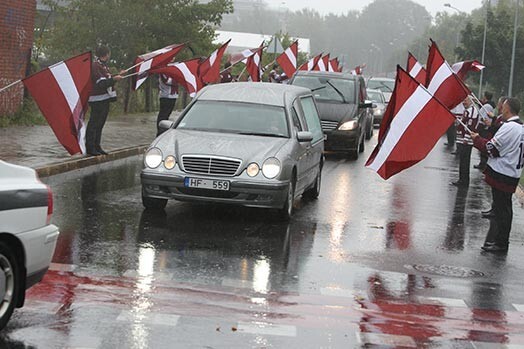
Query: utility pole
510,88
488,4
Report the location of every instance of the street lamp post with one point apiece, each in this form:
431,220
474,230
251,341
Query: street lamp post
484,47
458,32
510,88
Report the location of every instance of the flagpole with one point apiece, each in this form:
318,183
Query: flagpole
136,65
463,124
232,65
128,75
241,73
267,65
10,85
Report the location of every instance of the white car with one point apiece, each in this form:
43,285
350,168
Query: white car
27,239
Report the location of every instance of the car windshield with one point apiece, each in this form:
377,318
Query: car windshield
238,118
328,88
375,96
382,85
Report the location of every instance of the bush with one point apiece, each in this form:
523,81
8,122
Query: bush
28,114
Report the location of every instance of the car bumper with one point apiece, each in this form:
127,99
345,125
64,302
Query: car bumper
342,140
241,192
39,246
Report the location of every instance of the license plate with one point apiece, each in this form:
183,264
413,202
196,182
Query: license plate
206,183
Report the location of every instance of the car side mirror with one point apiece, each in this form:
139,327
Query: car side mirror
165,124
304,136
366,104
374,105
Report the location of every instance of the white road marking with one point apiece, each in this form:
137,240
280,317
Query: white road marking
264,328
448,302
62,267
519,307
337,292
385,339
485,345
149,318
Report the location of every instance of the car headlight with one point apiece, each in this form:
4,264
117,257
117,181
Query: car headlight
378,111
252,170
271,168
153,158
169,162
349,125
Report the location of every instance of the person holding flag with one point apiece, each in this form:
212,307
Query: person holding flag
168,94
503,171
101,95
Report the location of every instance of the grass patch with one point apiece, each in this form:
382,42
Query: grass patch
27,115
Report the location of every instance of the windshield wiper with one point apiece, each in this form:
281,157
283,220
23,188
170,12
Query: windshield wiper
386,86
337,91
261,134
318,88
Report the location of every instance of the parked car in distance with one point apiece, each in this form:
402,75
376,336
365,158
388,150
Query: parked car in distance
250,144
377,97
386,85
27,238
345,113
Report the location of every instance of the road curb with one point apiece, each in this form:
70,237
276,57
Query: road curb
85,161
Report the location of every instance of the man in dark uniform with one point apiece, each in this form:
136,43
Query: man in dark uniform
505,163
470,118
101,95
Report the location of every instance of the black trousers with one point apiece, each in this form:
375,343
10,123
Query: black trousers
483,132
500,225
166,108
97,120
464,152
451,133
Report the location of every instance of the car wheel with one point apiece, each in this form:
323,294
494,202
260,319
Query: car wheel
361,146
353,154
369,134
153,203
314,191
9,283
287,211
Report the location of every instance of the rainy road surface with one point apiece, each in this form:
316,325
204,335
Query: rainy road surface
371,263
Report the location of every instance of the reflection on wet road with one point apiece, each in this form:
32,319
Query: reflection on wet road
393,263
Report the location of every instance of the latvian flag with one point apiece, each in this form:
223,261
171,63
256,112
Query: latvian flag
442,82
61,92
333,64
322,64
185,73
288,59
415,69
413,123
311,64
210,68
462,68
253,65
155,59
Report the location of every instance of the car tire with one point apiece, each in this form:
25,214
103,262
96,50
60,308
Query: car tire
353,154
153,203
369,134
314,191
286,211
361,146
10,269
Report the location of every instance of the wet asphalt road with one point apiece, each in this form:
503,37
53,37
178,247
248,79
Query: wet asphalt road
392,263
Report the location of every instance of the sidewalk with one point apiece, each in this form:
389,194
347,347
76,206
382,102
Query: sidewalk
37,146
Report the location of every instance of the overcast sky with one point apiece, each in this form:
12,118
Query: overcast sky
342,6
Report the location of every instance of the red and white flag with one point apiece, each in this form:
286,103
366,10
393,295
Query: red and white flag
415,69
242,56
253,65
359,69
334,65
155,59
413,123
61,92
185,73
288,59
462,68
311,64
322,64
210,68
442,82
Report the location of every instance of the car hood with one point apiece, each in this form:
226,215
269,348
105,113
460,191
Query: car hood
244,147
337,111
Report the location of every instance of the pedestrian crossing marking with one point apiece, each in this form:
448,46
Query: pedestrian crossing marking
385,339
157,319
264,328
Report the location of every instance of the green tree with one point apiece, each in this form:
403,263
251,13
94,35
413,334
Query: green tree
133,27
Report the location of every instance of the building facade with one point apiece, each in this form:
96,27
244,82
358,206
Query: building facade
17,19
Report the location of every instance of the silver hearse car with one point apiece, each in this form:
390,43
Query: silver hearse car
251,144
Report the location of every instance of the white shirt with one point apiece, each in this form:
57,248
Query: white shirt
509,142
167,87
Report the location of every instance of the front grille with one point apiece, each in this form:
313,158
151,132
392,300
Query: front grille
329,125
208,193
210,165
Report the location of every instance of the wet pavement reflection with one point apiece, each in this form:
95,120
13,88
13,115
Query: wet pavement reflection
394,264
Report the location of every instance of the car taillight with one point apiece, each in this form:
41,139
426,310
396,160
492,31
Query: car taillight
49,205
